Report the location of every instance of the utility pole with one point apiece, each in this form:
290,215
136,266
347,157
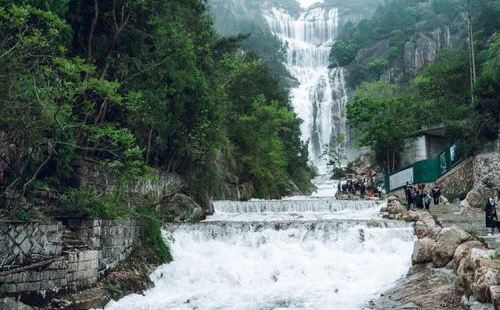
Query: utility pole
472,56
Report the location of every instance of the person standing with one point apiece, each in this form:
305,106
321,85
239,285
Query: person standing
413,197
491,215
436,194
420,200
427,200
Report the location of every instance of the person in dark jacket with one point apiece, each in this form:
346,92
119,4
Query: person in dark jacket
436,194
491,215
406,189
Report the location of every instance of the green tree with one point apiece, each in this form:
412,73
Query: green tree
384,118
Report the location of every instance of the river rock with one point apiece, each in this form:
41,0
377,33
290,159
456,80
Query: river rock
181,208
464,249
394,206
411,216
422,251
427,219
447,241
484,278
392,199
422,230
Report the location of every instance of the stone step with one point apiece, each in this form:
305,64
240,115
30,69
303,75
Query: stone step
493,242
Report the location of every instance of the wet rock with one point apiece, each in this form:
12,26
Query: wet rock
484,278
423,288
181,208
447,241
422,251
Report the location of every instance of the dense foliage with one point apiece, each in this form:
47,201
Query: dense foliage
135,84
386,114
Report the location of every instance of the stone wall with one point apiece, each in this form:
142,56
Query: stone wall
487,170
71,271
486,180
26,243
458,181
113,239
64,255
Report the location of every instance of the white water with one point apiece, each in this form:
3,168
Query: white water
303,253
321,96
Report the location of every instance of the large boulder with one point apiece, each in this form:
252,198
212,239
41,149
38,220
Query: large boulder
422,251
484,278
473,200
394,206
476,258
463,251
411,216
447,241
181,208
429,229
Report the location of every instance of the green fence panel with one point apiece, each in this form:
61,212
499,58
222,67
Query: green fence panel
429,170
426,171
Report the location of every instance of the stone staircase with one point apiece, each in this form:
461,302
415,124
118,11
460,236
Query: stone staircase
473,223
72,242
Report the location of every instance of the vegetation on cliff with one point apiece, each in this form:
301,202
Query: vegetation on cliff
137,84
384,112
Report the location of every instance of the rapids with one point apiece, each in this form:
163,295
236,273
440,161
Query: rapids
297,253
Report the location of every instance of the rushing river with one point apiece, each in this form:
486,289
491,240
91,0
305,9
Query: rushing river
299,253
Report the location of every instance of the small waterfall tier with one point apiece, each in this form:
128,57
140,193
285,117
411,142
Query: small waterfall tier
290,206
299,253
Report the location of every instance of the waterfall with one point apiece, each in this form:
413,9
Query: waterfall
321,96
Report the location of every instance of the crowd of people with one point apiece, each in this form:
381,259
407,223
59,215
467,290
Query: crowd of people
361,187
419,197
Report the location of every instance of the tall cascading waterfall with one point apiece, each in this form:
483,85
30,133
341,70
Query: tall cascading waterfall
321,96
297,253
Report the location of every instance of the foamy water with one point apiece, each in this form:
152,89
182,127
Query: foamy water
241,258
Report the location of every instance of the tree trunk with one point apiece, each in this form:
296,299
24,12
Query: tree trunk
149,145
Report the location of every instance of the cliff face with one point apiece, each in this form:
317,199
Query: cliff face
421,50
424,47
398,40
